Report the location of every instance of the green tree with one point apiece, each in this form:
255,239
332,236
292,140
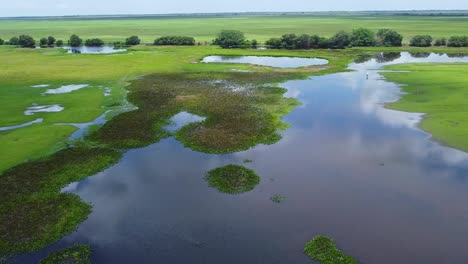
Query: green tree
26,41
389,38
175,41
274,43
230,39
14,41
421,41
95,42
289,41
458,41
59,43
43,42
75,41
303,42
340,40
51,41
254,44
362,37
2,41
133,40
440,42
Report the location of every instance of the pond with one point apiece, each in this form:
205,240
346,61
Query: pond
94,50
277,62
347,168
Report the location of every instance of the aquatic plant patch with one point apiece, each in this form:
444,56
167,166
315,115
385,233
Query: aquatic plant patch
233,179
79,254
323,249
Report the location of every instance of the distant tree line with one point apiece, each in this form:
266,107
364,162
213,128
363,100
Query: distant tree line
175,41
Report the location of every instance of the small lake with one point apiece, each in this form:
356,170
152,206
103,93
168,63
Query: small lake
277,62
348,168
94,50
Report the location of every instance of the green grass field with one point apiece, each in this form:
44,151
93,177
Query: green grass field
443,97
255,27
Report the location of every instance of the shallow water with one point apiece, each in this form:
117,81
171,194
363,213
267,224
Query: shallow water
348,168
66,89
277,62
43,109
83,128
182,119
37,121
93,50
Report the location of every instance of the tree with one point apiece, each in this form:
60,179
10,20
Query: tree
43,42
389,38
421,41
254,44
26,41
274,43
289,41
59,43
95,42
75,41
362,37
458,41
314,41
133,40
230,39
2,41
440,42
303,42
323,43
14,41
51,41
340,40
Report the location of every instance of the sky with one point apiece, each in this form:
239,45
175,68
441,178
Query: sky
94,7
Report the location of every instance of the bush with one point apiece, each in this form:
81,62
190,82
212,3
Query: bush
59,43
43,42
458,41
75,41
95,42
340,40
273,43
362,37
421,41
175,41
228,39
51,41
14,41
303,42
389,38
2,41
440,42
254,44
133,40
26,41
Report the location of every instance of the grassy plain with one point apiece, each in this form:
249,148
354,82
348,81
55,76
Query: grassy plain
440,91
255,27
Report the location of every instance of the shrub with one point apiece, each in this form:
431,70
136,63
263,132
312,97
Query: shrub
440,42
340,40
133,40
274,43
51,41
389,38
458,41
95,42
75,41
254,44
362,37
230,39
421,41
59,43
14,41
175,41
26,41
2,41
43,42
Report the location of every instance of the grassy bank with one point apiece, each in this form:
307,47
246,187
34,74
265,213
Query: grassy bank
440,91
255,27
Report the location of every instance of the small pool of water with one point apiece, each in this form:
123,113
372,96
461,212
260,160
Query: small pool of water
182,119
94,50
37,121
66,89
43,109
277,62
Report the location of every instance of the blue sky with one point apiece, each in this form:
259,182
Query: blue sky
88,7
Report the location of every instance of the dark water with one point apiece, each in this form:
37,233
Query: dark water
348,168
278,62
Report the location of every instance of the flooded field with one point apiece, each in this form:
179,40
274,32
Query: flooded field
347,168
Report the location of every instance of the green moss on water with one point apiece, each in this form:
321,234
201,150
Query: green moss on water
323,249
278,199
79,254
233,179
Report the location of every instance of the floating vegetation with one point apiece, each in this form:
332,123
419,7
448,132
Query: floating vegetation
278,199
79,254
248,161
233,179
33,212
323,249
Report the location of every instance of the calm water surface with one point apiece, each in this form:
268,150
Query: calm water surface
94,50
347,167
278,62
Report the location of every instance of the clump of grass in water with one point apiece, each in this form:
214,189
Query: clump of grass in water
323,249
79,254
233,179
248,161
278,199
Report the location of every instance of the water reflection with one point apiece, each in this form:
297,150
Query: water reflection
94,50
349,168
278,62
